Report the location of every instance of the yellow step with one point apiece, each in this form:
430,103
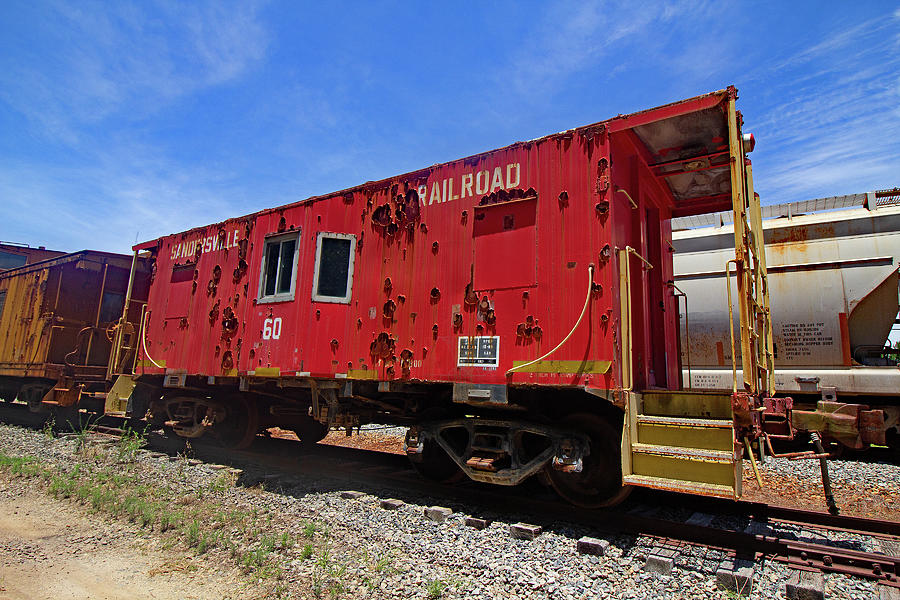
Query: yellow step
686,465
685,432
683,453
677,485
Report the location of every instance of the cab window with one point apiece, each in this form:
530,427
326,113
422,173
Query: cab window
333,279
279,268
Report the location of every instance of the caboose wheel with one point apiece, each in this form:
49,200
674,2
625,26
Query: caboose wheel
599,483
241,424
434,463
311,432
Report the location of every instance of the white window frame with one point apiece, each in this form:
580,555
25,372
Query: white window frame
282,297
334,299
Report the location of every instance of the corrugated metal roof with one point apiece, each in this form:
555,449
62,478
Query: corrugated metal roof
774,211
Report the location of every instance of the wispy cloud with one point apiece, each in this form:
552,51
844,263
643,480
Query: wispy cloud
834,126
126,60
574,38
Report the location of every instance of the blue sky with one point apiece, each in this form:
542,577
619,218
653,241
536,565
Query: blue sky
123,121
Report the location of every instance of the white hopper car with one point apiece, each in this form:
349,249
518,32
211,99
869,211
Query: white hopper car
833,286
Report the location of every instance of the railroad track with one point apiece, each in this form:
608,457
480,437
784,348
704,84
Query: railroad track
281,461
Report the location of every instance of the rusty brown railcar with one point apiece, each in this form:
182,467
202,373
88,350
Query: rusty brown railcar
58,319
13,256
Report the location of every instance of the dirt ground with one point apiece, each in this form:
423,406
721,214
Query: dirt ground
50,549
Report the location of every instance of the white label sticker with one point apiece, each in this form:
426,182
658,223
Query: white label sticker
478,351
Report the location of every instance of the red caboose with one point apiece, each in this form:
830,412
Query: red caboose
515,308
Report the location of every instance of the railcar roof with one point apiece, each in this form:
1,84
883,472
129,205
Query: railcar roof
122,261
685,143
815,210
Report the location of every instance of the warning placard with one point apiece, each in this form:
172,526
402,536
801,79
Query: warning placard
478,351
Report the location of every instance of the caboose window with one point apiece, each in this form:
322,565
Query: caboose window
333,279
279,268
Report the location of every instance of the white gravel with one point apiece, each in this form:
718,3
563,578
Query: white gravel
469,563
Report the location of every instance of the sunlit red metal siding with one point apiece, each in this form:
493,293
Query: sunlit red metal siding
435,252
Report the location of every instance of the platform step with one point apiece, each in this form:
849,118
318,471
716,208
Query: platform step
683,453
685,432
677,485
684,421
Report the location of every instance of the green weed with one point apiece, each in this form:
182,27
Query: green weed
434,589
307,552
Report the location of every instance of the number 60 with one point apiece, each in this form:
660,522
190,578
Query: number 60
272,328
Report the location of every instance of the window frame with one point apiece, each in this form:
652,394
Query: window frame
278,238
316,297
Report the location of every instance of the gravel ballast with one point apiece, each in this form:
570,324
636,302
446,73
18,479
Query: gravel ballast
357,549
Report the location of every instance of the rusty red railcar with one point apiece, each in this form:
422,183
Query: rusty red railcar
513,308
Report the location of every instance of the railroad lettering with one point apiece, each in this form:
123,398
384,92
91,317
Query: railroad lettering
471,184
209,243
481,182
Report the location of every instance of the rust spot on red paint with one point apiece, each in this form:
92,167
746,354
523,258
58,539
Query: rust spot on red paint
457,320
405,362
229,322
435,294
605,254
214,313
563,199
228,360
334,345
505,196
388,285
434,247
471,298
388,309
382,346
382,215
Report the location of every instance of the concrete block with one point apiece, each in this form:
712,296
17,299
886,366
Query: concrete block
661,565
194,462
437,513
805,585
391,504
524,531
738,580
478,523
351,495
593,546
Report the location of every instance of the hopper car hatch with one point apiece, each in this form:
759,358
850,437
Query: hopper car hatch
514,309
